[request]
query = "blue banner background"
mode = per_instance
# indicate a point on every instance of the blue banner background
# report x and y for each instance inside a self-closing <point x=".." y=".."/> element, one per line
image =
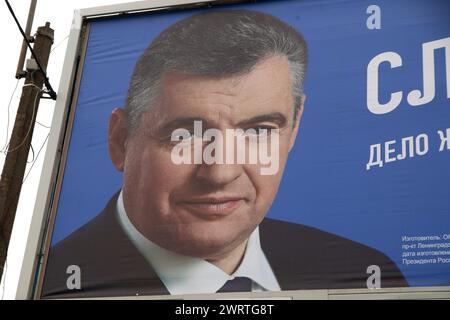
<point x="326" y="184"/>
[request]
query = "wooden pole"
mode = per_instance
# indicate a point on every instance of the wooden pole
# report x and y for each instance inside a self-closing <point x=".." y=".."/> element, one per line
<point x="19" y="144"/>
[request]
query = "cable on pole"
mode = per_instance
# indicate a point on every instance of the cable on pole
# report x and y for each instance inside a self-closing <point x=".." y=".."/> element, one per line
<point x="50" y="90"/>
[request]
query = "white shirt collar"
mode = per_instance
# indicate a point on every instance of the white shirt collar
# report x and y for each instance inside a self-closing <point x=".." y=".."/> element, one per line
<point x="184" y="275"/>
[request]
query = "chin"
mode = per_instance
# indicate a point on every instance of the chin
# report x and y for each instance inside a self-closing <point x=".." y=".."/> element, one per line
<point x="204" y="244"/>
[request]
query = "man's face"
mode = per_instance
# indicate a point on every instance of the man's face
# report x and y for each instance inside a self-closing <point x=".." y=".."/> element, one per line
<point x="203" y="210"/>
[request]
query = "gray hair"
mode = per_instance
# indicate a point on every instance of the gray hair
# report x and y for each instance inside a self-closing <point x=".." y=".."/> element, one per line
<point x="215" y="44"/>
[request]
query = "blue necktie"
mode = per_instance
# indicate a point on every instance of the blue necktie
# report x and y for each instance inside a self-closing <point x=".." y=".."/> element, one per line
<point x="238" y="284"/>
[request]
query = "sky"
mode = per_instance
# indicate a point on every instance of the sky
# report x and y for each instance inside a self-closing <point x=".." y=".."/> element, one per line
<point x="59" y="14"/>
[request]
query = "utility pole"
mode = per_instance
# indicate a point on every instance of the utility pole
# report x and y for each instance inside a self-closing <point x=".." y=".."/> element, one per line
<point x="20" y="142"/>
<point x="20" y="73"/>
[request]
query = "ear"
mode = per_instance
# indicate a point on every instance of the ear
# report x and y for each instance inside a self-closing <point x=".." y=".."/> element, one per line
<point x="117" y="137"/>
<point x="297" y="122"/>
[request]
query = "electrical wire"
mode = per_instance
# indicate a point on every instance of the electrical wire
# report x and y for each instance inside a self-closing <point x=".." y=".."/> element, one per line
<point x="7" y="123"/>
<point x="59" y="43"/>
<point x="31" y="123"/>
<point x="31" y="85"/>
<point x="37" y="156"/>
<point x="32" y="151"/>
<point x="50" y="90"/>
<point x="42" y="125"/>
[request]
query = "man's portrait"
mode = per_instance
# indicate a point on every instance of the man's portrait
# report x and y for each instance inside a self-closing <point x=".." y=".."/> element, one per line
<point x="213" y="110"/>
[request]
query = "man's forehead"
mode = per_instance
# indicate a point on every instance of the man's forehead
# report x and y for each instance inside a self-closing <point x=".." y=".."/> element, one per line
<point x="267" y="88"/>
<point x="273" y="71"/>
<point x="183" y="84"/>
<point x="264" y="90"/>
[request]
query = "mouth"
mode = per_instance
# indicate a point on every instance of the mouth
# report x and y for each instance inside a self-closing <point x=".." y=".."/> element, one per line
<point x="212" y="207"/>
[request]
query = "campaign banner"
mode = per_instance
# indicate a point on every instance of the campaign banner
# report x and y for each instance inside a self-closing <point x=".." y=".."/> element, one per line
<point x="257" y="146"/>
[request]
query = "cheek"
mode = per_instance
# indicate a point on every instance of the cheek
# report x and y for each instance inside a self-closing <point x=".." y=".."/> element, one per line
<point x="266" y="185"/>
<point x="150" y="177"/>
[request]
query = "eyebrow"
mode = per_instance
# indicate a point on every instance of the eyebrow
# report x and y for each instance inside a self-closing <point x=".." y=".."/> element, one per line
<point x="180" y="123"/>
<point x="275" y="117"/>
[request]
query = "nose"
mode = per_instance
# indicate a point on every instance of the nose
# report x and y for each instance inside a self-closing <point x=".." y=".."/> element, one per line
<point x="218" y="175"/>
<point x="217" y="169"/>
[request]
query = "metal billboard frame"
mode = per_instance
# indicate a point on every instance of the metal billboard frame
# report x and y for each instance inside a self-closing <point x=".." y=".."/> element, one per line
<point x="43" y="213"/>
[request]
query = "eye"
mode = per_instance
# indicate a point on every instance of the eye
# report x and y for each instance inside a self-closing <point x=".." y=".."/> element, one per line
<point x="185" y="135"/>
<point x="259" y="131"/>
<point x="181" y="134"/>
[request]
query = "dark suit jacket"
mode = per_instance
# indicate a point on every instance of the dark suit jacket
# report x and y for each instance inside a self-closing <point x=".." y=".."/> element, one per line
<point x="301" y="258"/>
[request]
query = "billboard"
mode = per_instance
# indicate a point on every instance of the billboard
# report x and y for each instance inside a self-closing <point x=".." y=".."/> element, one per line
<point x="256" y="146"/>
